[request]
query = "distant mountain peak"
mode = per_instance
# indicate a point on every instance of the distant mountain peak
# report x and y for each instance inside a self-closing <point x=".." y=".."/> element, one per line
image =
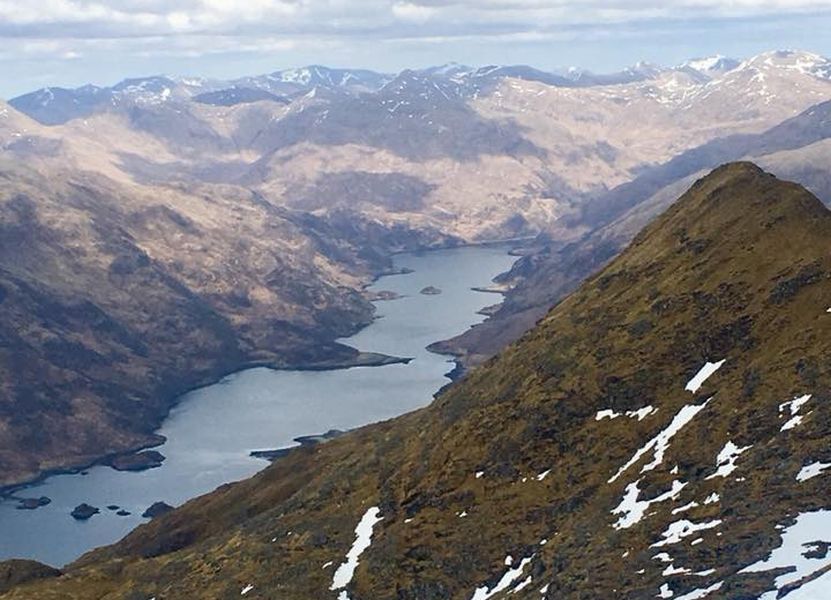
<point x="808" y="63"/>
<point x="714" y="65"/>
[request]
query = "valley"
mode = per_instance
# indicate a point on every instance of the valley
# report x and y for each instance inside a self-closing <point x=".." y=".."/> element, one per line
<point x="623" y="446"/>
<point x="179" y="252"/>
<point x="261" y="409"/>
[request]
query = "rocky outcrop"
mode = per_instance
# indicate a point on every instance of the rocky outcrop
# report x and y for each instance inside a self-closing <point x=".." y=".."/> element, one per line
<point x="84" y="512"/>
<point x="33" y="503"/>
<point x="430" y="291"/>
<point x="141" y="461"/>
<point x="157" y="509"/>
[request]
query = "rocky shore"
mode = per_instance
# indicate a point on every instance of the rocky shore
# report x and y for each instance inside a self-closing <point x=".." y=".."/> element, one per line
<point x="304" y="441"/>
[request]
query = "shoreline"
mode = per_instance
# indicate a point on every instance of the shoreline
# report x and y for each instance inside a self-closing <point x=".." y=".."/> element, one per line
<point x="176" y="393"/>
<point x="362" y="359"/>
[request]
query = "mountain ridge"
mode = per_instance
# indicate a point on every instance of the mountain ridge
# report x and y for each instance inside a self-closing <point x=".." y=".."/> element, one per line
<point x="530" y="476"/>
<point x="80" y="101"/>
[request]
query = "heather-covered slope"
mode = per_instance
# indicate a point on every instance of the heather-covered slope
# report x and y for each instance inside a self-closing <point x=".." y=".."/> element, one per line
<point x="799" y="149"/>
<point x="658" y="433"/>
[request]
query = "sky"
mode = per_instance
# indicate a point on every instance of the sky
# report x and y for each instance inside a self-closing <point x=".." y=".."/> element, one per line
<point x="74" y="42"/>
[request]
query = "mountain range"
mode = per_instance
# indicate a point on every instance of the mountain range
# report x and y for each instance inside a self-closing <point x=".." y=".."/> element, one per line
<point x="660" y="433"/>
<point x="162" y="232"/>
<point x="351" y="164"/>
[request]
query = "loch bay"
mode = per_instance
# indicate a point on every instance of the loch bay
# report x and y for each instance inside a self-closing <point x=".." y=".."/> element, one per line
<point x="212" y="431"/>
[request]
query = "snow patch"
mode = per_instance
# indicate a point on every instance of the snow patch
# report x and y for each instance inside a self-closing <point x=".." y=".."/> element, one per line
<point x="701" y="593"/>
<point x="673" y="570"/>
<point x="686" y="507"/>
<point x="797" y="420"/>
<point x="810" y="471"/>
<point x="508" y="579"/>
<point x="726" y="459"/>
<point x="797" y="540"/>
<point x="794" y="406"/>
<point x="703" y="375"/>
<point x="639" y="414"/>
<point x="659" y="444"/>
<point x="683" y="528"/>
<point x="246" y="589"/>
<point x="363" y="540"/>
<point x="633" y="510"/>
<point x="522" y="585"/>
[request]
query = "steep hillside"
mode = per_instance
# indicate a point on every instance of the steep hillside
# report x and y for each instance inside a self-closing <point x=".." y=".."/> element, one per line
<point x="116" y="299"/>
<point x="798" y="149"/>
<point x="662" y="432"/>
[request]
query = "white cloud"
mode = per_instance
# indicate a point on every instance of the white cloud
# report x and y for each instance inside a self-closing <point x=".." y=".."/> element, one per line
<point x="110" y="17"/>
<point x="63" y="29"/>
<point x="407" y="11"/>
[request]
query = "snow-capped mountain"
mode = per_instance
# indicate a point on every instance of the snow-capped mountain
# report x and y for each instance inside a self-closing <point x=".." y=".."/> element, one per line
<point x="55" y="105"/>
<point x="58" y="105"/>
<point x="711" y="66"/>
<point x="294" y="81"/>
<point x="805" y="63"/>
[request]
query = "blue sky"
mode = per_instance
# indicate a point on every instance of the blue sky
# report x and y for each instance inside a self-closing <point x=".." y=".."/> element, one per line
<point x="72" y="42"/>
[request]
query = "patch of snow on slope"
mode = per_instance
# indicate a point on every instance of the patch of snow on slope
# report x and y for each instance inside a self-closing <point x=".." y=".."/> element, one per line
<point x="810" y="471"/>
<point x="797" y="420"/>
<point x="665" y="591"/>
<point x="694" y="384"/>
<point x="363" y="540"/>
<point x="706" y="64"/>
<point x="659" y="444"/>
<point x="726" y="459"/>
<point x="673" y="570"/>
<point x="632" y="510"/>
<point x="701" y="593"/>
<point x="246" y="589"/>
<point x="639" y="414"/>
<point x="683" y="528"/>
<point x="797" y="540"/>
<point x="794" y="406"/>
<point x="642" y="413"/>
<point x="522" y="585"/>
<point x="686" y="507"/>
<point x="508" y="579"/>
<point x="606" y="414"/>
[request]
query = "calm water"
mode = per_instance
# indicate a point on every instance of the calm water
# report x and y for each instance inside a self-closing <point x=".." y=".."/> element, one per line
<point x="211" y="432"/>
